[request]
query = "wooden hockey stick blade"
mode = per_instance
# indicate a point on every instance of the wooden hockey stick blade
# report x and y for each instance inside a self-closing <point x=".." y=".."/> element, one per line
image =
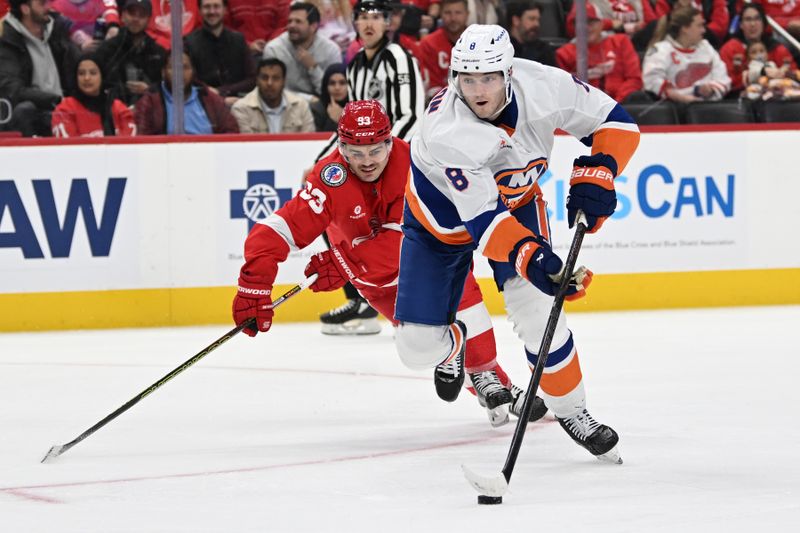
<point x="488" y="486"/>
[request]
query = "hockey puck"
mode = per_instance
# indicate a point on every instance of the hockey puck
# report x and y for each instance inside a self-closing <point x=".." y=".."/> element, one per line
<point x="489" y="500"/>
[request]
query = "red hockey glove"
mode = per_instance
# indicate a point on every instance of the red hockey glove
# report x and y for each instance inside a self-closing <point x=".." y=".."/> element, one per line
<point x="535" y="261"/>
<point x="591" y="190"/>
<point x="254" y="298"/>
<point x="334" y="267"/>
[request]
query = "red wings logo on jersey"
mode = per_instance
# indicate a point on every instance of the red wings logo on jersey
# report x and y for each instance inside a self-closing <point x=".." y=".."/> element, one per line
<point x="333" y="174"/>
<point x="693" y="73"/>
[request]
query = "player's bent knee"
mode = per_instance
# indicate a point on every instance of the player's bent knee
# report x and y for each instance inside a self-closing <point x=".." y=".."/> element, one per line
<point x="421" y="346"/>
<point x="528" y="309"/>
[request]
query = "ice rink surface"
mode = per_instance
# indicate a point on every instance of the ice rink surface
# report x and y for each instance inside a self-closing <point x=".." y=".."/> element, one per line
<point x="294" y="431"/>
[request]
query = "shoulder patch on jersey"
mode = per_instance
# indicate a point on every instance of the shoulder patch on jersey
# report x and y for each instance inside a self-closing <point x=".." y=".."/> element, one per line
<point x="333" y="174"/>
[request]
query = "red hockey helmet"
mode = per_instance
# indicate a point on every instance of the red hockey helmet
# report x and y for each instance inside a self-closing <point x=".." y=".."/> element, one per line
<point x="364" y="122"/>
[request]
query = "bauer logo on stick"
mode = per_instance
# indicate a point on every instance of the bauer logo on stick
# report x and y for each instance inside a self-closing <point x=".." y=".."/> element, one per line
<point x="333" y="174"/>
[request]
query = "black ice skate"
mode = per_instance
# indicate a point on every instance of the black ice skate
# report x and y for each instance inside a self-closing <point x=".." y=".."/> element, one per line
<point x="354" y="317"/>
<point x="492" y="395"/>
<point x="449" y="377"/>
<point x="599" y="439"/>
<point x="539" y="408"/>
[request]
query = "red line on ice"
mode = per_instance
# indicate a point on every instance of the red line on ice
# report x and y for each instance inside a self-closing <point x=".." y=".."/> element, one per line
<point x="17" y="490"/>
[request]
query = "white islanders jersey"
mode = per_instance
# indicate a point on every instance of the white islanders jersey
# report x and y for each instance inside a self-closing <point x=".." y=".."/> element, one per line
<point x="467" y="173"/>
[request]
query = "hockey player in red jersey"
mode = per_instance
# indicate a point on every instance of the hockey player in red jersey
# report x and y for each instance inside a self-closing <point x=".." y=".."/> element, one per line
<point x="356" y="195"/>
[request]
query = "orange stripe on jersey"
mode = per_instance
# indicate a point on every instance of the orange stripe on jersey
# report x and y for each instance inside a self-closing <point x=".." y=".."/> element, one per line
<point x="563" y="381"/>
<point x="460" y="237"/>
<point x="619" y="144"/>
<point x="507" y="129"/>
<point x="541" y="212"/>
<point x="503" y="239"/>
<point x="458" y="340"/>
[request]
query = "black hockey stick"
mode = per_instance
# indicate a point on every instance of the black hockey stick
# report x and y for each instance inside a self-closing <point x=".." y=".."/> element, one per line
<point x="59" y="449"/>
<point x="495" y="487"/>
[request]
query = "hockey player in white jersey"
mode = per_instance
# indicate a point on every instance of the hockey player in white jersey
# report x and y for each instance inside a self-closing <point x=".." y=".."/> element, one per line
<point x="483" y="143"/>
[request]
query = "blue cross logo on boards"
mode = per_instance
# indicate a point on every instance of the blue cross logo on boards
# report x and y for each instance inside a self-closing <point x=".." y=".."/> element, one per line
<point x="260" y="199"/>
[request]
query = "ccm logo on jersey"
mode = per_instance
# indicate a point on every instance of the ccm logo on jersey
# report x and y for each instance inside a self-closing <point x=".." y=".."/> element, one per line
<point x="333" y="174"/>
<point x="593" y="172"/>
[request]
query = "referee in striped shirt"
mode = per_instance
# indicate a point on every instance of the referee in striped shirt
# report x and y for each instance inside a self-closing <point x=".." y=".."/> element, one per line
<point x="385" y="71"/>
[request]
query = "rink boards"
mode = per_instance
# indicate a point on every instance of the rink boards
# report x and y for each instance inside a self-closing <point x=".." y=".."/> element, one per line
<point x="150" y="233"/>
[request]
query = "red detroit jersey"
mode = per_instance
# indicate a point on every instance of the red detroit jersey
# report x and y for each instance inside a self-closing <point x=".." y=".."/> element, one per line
<point x="362" y="218"/>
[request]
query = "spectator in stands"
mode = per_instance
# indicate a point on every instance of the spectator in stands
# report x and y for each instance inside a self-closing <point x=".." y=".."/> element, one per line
<point x="36" y="64"/>
<point x="336" y="21"/>
<point x="715" y="13"/>
<point x="684" y="67"/>
<point x="405" y="26"/>
<point x="220" y="56"/>
<point x="430" y="10"/>
<point x="303" y="50"/>
<point x="92" y="20"/>
<point x="132" y="60"/>
<point x="203" y="113"/>
<point x="613" y="65"/>
<point x="484" y="12"/>
<point x="259" y="20"/>
<point x="751" y="28"/>
<point x="434" y="50"/>
<point x="764" y="80"/>
<point x="785" y="12"/>
<point x="160" y="26"/>
<point x="523" y="19"/>
<point x="330" y="105"/>
<point x="91" y="112"/>
<point x="270" y="107"/>
<point x="619" y="16"/>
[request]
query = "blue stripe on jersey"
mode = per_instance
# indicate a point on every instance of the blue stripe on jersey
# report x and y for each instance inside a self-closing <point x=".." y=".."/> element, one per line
<point x="617" y="114"/>
<point x="508" y="117"/>
<point x="477" y="226"/>
<point x="442" y="209"/>
<point x="554" y="357"/>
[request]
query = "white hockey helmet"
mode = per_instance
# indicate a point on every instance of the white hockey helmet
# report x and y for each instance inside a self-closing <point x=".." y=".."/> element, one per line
<point x="483" y="48"/>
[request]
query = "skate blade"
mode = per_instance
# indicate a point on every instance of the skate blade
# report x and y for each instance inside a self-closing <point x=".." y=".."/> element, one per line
<point x="488" y="486"/>
<point x="353" y="327"/>
<point x="498" y="416"/>
<point x="611" y="456"/>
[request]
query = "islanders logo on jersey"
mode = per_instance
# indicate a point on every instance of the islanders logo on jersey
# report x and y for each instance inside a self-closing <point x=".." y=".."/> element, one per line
<point x="333" y="174"/>
<point x="513" y="184"/>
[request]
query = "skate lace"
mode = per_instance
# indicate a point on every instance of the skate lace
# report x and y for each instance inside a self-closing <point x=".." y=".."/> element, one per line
<point x="450" y="368"/>
<point x="486" y="383"/>
<point x="519" y="398"/>
<point x="344" y="308"/>
<point x="582" y="425"/>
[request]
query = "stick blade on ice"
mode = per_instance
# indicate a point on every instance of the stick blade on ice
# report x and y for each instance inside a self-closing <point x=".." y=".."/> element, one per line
<point x="488" y="486"/>
<point x="54" y="452"/>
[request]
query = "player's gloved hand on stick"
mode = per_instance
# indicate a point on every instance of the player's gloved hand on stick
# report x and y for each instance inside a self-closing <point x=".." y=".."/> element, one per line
<point x="334" y="267"/>
<point x="591" y="190"/>
<point x="535" y="261"/>
<point x="254" y="298"/>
